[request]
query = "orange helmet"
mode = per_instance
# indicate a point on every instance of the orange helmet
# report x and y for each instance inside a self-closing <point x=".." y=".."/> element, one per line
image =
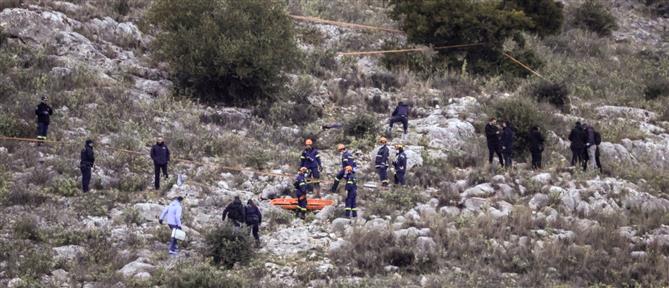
<point x="383" y="140"/>
<point x="308" y="142"/>
<point x="341" y="147"/>
<point x="348" y="169"/>
<point x="303" y="169"/>
<point x="399" y="146"/>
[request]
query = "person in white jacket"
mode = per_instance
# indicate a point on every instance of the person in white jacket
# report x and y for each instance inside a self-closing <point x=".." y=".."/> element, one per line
<point x="172" y="214"/>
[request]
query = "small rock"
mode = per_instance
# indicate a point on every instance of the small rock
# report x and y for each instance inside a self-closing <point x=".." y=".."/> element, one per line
<point x="542" y="178"/>
<point x="391" y="268"/>
<point x="326" y="213"/>
<point x="339" y="225"/>
<point x="482" y="190"/>
<point x="449" y="211"/>
<point x="133" y="268"/>
<point x="68" y="253"/>
<point x="538" y="201"/>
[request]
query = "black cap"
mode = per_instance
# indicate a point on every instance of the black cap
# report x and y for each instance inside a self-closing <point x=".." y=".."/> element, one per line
<point x="89" y="142"/>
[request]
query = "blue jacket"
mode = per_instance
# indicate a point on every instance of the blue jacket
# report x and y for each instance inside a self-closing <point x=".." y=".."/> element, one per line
<point x="507" y="138"/>
<point x="347" y="159"/>
<point x="401" y="162"/>
<point x="300" y="186"/>
<point x="160" y="154"/>
<point x="172" y="213"/>
<point x="382" y="157"/>
<point x="401" y="110"/>
<point x="310" y="159"/>
<point x="350" y="181"/>
<point x="253" y="215"/>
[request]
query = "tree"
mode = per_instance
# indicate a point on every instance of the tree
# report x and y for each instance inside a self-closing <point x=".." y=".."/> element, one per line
<point x="230" y="51"/>
<point x="445" y="22"/>
<point x="546" y="15"/>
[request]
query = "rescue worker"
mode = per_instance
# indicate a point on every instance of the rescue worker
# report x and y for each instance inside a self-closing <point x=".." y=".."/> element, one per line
<point x="235" y="212"/>
<point x="173" y="215"/>
<point x="161" y="156"/>
<point x="591" y="147"/>
<point x="507" y="144"/>
<point x="351" y="209"/>
<point x="301" y="192"/>
<point x="577" y="146"/>
<point x="346" y="160"/>
<point x="536" y="140"/>
<point x="381" y="161"/>
<point x="400" y="165"/>
<point x="253" y="219"/>
<point x="400" y="114"/>
<point x="86" y="164"/>
<point x="492" y="135"/>
<point x="43" y="113"/>
<point x="312" y="161"/>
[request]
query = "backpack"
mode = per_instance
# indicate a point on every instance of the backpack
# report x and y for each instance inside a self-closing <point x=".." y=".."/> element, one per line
<point x="235" y="213"/>
<point x="598" y="138"/>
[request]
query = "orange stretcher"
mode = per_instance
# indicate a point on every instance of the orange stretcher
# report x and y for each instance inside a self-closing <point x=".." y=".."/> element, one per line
<point x="291" y="203"/>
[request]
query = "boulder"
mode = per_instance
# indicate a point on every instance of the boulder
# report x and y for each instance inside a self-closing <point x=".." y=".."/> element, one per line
<point x="482" y="190"/>
<point x="475" y="203"/>
<point x="425" y="246"/>
<point x="377" y="224"/>
<point x="339" y="246"/>
<point x="614" y="112"/>
<point x="538" y="201"/>
<point x="339" y="225"/>
<point x="149" y="211"/>
<point x="449" y="211"/>
<point x="68" y="253"/>
<point x="444" y="133"/>
<point x="136" y="267"/>
<point x="542" y="178"/>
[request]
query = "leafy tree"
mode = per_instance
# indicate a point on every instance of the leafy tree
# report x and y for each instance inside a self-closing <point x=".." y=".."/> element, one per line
<point x="523" y="115"/>
<point x="593" y="16"/>
<point x="444" y="22"/>
<point x="546" y="15"/>
<point x="230" y="51"/>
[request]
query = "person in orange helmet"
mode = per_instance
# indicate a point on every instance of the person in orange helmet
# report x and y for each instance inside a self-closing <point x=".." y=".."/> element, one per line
<point x="381" y="161"/>
<point x="301" y="192"/>
<point x="312" y="161"/>
<point x="351" y="209"/>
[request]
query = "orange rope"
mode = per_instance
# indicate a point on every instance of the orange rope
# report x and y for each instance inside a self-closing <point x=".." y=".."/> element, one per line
<point x="344" y="24"/>
<point x="523" y="65"/>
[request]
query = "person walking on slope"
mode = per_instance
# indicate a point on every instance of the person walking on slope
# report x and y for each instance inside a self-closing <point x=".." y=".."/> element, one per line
<point x="172" y="214"/>
<point x="346" y="160"/>
<point x="591" y="147"/>
<point x="301" y="192"/>
<point x="43" y="113"/>
<point x="400" y="165"/>
<point x="578" y="139"/>
<point x="598" y="141"/>
<point x="381" y="161"/>
<point x="536" y="140"/>
<point x="312" y="161"/>
<point x="400" y="114"/>
<point x="253" y="219"/>
<point x="86" y="164"/>
<point x="351" y="209"/>
<point x="507" y="144"/>
<point x="492" y="135"/>
<point x="235" y="212"/>
<point x="161" y="157"/>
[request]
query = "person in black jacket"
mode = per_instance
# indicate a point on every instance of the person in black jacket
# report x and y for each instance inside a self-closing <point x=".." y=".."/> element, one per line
<point x="381" y="161"/>
<point x="577" y="138"/>
<point x="536" y="140"/>
<point x="598" y="141"/>
<point x="86" y="165"/>
<point x="492" y="135"/>
<point x="161" y="156"/>
<point x="400" y="114"/>
<point x="253" y="219"/>
<point x="43" y="113"/>
<point x="507" y="143"/>
<point x="235" y="212"/>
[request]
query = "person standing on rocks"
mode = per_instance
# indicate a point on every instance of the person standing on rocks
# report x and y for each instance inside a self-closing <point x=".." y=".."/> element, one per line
<point x="400" y="114"/>
<point x="536" y="146"/>
<point x="591" y="147"/>
<point x="346" y="160"/>
<point x="172" y="214"/>
<point x="492" y="135"/>
<point x="577" y="138"/>
<point x="312" y="161"/>
<point x="43" y="113"/>
<point x="301" y="192"/>
<point x="161" y="157"/>
<point x="381" y="161"/>
<point x="86" y="164"/>
<point x="507" y="144"/>
<point x="253" y="219"/>
<point x="235" y="212"/>
<point x="400" y="165"/>
<point x="598" y="141"/>
<point x="351" y="209"/>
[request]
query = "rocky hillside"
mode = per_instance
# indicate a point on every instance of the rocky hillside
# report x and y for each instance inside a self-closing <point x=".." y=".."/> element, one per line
<point x="458" y="223"/>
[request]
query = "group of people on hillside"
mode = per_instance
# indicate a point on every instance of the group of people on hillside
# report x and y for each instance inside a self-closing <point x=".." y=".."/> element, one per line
<point x="585" y="141"/>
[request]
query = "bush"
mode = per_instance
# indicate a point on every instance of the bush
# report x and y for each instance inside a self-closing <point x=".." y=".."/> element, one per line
<point x="361" y="125"/>
<point x="376" y="104"/>
<point x="658" y="7"/>
<point x="64" y="186"/>
<point x="546" y="15"/>
<point x="523" y="115"/>
<point x="294" y="107"/>
<point x="228" y="245"/>
<point x="8" y="4"/>
<point x="556" y="94"/>
<point x="234" y="51"/>
<point x="122" y="7"/>
<point x="656" y="89"/>
<point x="200" y="276"/>
<point x="593" y="16"/>
<point x="27" y="228"/>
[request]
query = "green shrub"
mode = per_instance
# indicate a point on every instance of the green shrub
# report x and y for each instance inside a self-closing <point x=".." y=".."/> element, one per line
<point x="294" y="107"/>
<point x="556" y="94"/>
<point x="64" y="186"/>
<point x="200" y="276"/>
<point x="228" y="245"/>
<point x="523" y="115"/>
<point x="390" y="201"/>
<point x="22" y="194"/>
<point x="122" y="7"/>
<point x="132" y="183"/>
<point x="361" y="126"/>
<point x="468" y="22"/>
<point x="376" y="104"/>
<point x="27" y="228"/>
<point x="132" y="216"/>
<point x="234" y="51"/>
<point x="8" y="4"/>
<point x="656" y="89"/>
<point x="658" y="7"/>
<point x="546" y="15"/>
<point x="593" y="16"/>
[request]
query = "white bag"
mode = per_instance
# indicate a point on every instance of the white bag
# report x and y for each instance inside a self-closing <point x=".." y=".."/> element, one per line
<point x="178" y="234"/>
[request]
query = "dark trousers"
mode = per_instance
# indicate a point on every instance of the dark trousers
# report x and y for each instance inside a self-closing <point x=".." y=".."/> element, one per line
<point x="301" y="207"/>
<point x="508" y="158"/>
<point x="351" y="208"/>
<point x="493" y="148"/>
<point x="42" y="129"/>
<point x="399" y="177"/>
<point x="173" y="241"/>
<point x="314" y="175"/>
<point x="536" y="159"/>
<point x="599" y="164"/>
<point x="85" y="177"/>
<point x="254" y="230"/>
<point x="403" y="119"/>
<point x="156" y="172"/>
<point x="383" y="174"/>
<point x="578" y="156"/>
